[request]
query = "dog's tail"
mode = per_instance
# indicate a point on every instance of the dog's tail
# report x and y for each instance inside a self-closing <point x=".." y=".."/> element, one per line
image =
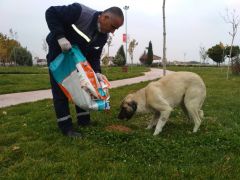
<point x="201" y="114"/>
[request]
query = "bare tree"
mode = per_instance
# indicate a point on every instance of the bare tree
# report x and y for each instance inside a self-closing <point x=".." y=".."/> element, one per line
<point x="131" y="48"/>
<point x="109" y="43"/>
<point x="164" y="61"/>
<point x="233" y="19"/>
<point x="44" y="46"/>
<point x="13" y="34"/>
<point x="203" y="54"/>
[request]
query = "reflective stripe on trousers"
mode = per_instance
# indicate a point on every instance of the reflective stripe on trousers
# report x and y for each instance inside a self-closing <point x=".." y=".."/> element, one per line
<point x="63" y="118"/>
<point x="82" y="114"/>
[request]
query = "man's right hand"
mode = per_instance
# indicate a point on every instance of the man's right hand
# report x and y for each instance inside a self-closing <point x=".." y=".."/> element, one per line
<point x="64" y="44"/>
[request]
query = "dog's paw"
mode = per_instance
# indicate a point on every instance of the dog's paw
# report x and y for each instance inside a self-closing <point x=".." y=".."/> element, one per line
<point x="155" y="133"/>
<point x="149" y="127"/>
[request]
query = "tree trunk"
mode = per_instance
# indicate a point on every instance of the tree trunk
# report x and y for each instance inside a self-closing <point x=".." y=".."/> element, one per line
<point x="230" y="57"/>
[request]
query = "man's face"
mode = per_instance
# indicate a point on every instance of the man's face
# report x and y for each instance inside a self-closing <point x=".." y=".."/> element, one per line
<point x="109" y="22"/>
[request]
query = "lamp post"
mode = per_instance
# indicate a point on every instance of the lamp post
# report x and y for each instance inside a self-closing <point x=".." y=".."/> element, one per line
<point x="126" y="8"/>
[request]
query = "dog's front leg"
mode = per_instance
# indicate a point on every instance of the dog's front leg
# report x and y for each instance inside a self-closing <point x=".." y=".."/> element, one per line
<point x="154" y="120"/>
<point x="162" y="121"/>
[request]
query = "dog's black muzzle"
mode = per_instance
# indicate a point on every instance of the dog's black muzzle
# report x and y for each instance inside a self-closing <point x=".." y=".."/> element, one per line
<point x="127" y="113"/>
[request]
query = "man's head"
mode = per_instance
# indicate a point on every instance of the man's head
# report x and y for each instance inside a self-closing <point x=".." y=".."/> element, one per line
<point x="110" y="20"/>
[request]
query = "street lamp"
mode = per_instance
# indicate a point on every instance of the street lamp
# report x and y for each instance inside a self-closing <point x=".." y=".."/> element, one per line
<point x="126" y="8"/>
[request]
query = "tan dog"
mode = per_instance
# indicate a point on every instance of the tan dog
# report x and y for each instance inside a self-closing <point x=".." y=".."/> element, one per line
<point x="180" y="88"/>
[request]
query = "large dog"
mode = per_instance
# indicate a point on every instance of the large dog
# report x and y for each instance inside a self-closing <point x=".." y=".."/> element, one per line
<point x="179" y="88"/>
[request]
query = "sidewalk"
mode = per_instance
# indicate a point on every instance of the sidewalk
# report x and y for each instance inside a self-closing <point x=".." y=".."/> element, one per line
<point x="18" y="98"/>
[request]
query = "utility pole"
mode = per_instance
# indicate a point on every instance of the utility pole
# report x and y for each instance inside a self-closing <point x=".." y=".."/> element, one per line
<point x="164" y="40"/>
<point x="126" y="8"/>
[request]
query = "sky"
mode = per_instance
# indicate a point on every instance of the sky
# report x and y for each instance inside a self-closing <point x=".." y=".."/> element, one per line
<point x="189" y="24"/>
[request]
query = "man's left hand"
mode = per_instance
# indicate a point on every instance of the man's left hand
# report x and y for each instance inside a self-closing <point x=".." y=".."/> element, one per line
<point x="100" y="77"/>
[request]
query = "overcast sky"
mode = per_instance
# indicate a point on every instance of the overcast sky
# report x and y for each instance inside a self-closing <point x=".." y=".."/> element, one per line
<point x="189" y="23"/>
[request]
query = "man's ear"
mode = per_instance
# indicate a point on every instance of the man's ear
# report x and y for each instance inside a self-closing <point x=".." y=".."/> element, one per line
<point x="106" y="16"/>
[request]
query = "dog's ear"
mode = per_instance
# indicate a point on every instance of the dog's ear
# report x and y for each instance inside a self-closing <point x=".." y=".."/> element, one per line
<point x="133" y="104"/>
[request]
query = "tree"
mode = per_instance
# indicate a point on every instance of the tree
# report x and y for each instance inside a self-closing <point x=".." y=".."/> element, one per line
<point x="105" y="60"/>
<point x="109" y="43"/>
<point x="203" y="54"/>
<point x="21" y="56"/>
<point x="236" y="65"/>
<point x="6" y="46"/>
<point x="3" y="48"/>
<point x="164" y="61"/>
<point x="131" y="48"/>
<point x="120" y="58"/>
<point x="235" y="51"/>
<point x="12" y="44"/>
<point x="143" y="58"/>
<point x="13" y="34"/>
<point x="44" y="46"/>
<point x="234" y="22"/>
<point x="216" y="53"/>
<point x="149" y="54"/>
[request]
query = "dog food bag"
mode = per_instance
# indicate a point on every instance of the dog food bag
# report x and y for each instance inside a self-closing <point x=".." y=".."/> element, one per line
<point x="79" y="82"/>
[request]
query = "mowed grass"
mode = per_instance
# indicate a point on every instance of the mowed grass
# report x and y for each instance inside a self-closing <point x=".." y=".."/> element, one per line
<point x="21" y="79"/>
<point x="31" y="147"/>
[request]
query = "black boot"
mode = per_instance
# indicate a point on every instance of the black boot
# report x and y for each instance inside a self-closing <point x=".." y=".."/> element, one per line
<point x="73" y="134"/>
<point x="66" y="127"/>
<point x="84" y="122"/>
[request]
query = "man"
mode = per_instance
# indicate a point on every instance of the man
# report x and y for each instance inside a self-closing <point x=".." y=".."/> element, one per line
<point x="88" y="29"/>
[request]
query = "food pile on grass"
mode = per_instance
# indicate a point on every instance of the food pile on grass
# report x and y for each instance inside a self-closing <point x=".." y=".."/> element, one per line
<point x="118" y="128"/>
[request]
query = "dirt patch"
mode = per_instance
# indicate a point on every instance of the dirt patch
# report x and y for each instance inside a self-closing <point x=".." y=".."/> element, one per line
<point x="118" y="128"/>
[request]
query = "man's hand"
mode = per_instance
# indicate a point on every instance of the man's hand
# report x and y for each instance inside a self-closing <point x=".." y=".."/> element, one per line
<point x="64" y="44"/>
<point x="100" y="77"/>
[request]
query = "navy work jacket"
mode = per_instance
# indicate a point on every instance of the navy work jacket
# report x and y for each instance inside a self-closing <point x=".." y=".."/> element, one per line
<point x="79" y="25"/>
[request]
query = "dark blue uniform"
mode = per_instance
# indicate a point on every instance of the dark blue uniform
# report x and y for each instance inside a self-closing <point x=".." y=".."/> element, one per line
<point x="67" y="21"/>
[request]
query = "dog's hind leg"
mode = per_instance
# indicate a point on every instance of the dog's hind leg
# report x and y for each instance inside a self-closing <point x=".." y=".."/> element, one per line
<point x="185" y="111"/>
<point x="193" y="100"/>
<point x="201" y="114"/>
<point x="154" y="120"/>
<point x="194" y="114"/>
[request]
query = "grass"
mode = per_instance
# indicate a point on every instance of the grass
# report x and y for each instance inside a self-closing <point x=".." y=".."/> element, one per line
<point x="23" y="70"/>
<point x="115" y="73"/>
<point x="31" y="146"/>
<point x="12" y="83"/>
<point x="20" y="79"/>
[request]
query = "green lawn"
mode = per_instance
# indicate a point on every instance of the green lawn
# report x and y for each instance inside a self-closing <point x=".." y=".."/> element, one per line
<point x="23" y="70"/>
<point x="31" y="147"/>
<point x="20" y="79"/>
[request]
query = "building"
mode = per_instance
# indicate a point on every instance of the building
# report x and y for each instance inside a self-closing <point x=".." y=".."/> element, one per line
<point x="156" y="59"/>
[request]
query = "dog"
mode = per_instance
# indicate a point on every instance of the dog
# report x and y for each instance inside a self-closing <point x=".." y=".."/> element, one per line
<point x="185" y="89"/>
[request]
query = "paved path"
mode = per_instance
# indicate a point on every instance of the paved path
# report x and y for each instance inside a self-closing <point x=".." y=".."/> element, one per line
<point x="18" y="98"/>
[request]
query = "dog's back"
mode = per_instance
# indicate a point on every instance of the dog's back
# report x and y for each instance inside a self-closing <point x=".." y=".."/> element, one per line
<point x="174" y="86"/>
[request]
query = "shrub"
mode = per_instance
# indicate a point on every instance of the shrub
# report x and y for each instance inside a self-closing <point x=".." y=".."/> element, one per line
<point x="120" y="58"/>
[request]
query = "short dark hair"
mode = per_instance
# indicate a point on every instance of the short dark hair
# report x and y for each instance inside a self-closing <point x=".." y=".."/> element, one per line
<point x="115" y="10"/>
